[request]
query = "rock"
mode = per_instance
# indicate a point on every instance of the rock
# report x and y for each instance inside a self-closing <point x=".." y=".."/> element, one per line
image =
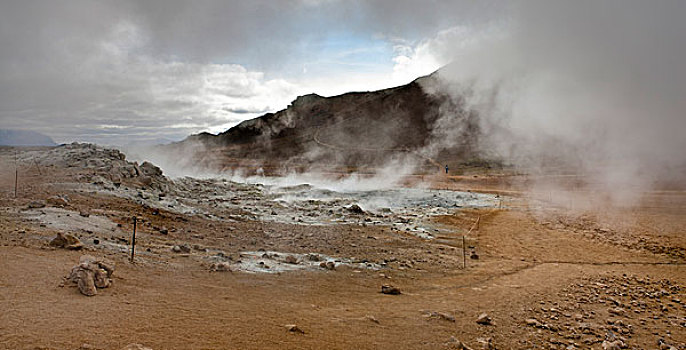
<point x="66" y="241"/>
<point x="36" y="204"/>
<point x="390" y="290"/>
<point x="329" y="265"/>
<point x="85" y="279"/>
<point x="372" y="318"/>
<point x="181" y="249"/>
<point x="220" y="267"/>
<point x="294" y="329"/>
<point x="313" y="257"/>
<point x="150" y="169"/>
<point x="533" y="322"/>
<point x="456" y="344"/>
<point x="355" y="209"/>
<point x="57" y="201"/>
<point x="136" y="346"/>
<point x="290" y="259"/>
<point x="101" y="278"/>
<point x="441" y="316"/>
<point x="616" y="311"/>
<point x="484" y="319"/>
<point x="84" y="213"/>
<point x="473" y="255"/>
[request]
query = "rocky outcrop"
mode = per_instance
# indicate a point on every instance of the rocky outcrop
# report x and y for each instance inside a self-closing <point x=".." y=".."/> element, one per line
<point x="108" y="167"/>
<point x="67" y="241"/>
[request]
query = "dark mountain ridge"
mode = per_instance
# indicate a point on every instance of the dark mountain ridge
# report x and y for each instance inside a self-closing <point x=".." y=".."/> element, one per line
<point x="353" y="130"/>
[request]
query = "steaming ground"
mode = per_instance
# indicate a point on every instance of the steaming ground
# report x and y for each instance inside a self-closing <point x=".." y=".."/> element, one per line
<point x="222" y="263"/>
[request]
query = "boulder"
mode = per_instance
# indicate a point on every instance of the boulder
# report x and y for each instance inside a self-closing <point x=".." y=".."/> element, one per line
<point x="57" y="201"/>
<point x="101" y="279"/>
<point x="533" y="322"/>
<point x="150" y="169"/>
<point x="329" y="265"/>
<point x="294" y="329"/>
<point x="84" y="278"/>
<point x="356" y="209"/>
<point x="181" y="249"/>
<point x="65" y="240"/>
<point x="484" y="319"/>
<point x="390" y="290"/>
<point x="291" y="259"/>
<point x="220" y="267"/>
<point x="473" y="255"/>
<point x="36" y="204"/>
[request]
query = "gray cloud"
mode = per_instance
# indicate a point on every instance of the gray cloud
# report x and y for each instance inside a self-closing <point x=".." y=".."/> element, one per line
<point x="73" y="68"/>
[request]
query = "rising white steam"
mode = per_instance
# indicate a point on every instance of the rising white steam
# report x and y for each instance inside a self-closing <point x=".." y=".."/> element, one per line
<point x="596" y="86"/>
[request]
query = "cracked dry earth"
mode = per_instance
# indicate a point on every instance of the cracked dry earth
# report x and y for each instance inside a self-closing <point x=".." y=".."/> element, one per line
<point x="546" y="278"/>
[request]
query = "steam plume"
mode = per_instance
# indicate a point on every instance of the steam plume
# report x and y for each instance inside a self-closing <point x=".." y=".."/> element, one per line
<point x="598" y="86"/>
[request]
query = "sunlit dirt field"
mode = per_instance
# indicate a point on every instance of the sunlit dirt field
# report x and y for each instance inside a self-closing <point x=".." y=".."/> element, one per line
<point x="556" y="269"/>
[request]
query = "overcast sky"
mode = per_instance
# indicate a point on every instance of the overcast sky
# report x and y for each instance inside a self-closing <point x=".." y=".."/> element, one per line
<point x="123" y="71"/>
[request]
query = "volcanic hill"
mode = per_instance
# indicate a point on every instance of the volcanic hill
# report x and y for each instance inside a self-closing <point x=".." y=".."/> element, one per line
<point x="356" y="131"/>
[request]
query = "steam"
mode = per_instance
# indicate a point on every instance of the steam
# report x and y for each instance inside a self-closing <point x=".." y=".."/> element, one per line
<point x="581" y="88"/>
<point x="594" y="86"/>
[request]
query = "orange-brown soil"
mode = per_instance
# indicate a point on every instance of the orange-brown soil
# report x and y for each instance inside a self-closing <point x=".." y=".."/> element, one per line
<point x="583" y="276"/>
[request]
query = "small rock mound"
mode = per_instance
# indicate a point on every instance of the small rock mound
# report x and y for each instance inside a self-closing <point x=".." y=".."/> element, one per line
<point x="67" y="241"/>
<point x="90" y="274"/>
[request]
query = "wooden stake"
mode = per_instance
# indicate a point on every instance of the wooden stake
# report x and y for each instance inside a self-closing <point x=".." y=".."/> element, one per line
<point x="133" y="239"/>
<point x="464" y="254"/>
<point x="16" y="173"/>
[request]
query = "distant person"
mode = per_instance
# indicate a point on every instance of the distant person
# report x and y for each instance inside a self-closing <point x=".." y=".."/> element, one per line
<point x="446" y="168"/>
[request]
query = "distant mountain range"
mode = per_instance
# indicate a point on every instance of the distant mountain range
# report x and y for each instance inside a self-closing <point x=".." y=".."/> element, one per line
<point x="24" y="138"/>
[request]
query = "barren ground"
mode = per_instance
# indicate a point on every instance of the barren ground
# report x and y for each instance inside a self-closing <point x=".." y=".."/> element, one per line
<point x="584" y="276"/>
